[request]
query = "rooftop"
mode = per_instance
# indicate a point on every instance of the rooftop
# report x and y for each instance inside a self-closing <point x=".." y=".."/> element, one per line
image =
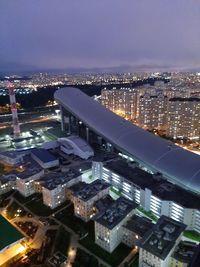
<point x="185" y="251"/>
<point x="81" y="143"/>
<point x="31" y="167"/>
<point x="8" y="233"/>
<point x="43" y="155"/>
<point x="160" y="187"/>
<point x="90" y="190"/>
<point x="11" y="154"/>
<point x="138" y="225"/>
<point x="53" y="180"/>
<point x="160" y="240"/>
<point x="115" y="212"/>
<point x="103" y="203"/>
<point x="150" y="150"/>
<point x="83" y="166"/>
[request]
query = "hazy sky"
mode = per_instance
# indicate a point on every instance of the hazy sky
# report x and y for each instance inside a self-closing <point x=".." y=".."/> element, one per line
<point x="56" y="34"/>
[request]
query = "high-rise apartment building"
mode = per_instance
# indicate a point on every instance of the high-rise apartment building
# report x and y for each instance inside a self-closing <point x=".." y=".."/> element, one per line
<point x="184" y="118"/>
<point x="152" y="111"/>
<point x="123" y="101"/>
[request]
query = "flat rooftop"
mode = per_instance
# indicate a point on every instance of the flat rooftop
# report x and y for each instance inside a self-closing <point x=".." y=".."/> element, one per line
<point x="8" y="178"/>
<point x="8" y="233"/>
<point x="31" y="168"/>
<point x="138" y="225"/>
<point x="103" y="203"/>
<point x="185" y="251"/>
<point x="52" y="180"/>
<point x="43" y="155"/>
<point x="90" y="190"/>
<point x="115" y="212"/>
<point x="162" y="237"/>
<point x="83" y="166"/>
<point x="11" y="154"/>
<point x="160" y="187"/>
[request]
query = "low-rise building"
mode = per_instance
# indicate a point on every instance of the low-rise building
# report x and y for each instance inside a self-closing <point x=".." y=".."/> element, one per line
<point x="158" y="244"/>
<point x="25" y="179"/>
<point x="183" y="254"/>
<point x="85" y="195"/>
<point x="54" y="186"/>
<point x="152" y="191"/>
<point x="11" y="157"/>
<point x="134" y="229"/>
<point x="44" y="158"/>
<point x="7" y="183"/>
<point x="108" y="223"/>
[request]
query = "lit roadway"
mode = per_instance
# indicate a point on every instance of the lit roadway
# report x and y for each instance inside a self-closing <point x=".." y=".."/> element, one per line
<point x="5" y="125"/>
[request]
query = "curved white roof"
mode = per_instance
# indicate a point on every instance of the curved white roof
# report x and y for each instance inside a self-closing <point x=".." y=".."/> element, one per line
<point x="173" y="161"/>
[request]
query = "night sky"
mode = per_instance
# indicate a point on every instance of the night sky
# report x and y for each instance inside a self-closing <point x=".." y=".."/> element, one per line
<point x="59" y="34"/>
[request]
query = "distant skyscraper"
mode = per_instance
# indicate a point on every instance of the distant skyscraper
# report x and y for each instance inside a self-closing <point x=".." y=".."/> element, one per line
<point x="16" y="128"/>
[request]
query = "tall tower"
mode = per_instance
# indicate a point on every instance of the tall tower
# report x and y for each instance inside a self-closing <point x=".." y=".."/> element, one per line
<point x="16" y="128"/>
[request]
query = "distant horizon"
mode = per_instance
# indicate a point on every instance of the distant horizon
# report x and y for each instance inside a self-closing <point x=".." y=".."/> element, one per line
<point x="96" y="70"/>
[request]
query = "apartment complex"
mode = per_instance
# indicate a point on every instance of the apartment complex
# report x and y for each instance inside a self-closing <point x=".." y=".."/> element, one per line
<point x="175" y="112"/>
<point x="152" y="112"/>
<point x="151" y="191"/>
<point x="184" y="118"/>
<point x="123" y="102"/>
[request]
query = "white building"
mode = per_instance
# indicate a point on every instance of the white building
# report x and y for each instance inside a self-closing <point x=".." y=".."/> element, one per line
<point x="25" y="179"/>
<point x="54" y="187"/>
<point x="158" y="244"/>
<point x="85" y="195"/>
<point x="7" y="183"/>
<point x="108" y="224"/>
<point x="77" y="146"/>
<point x="152" y="192"/>
<point x="134" y="229"/>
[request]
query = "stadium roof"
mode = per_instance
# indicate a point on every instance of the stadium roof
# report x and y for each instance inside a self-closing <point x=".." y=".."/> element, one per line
<point x="8" y="233"/>
<point x="176" y="163"/>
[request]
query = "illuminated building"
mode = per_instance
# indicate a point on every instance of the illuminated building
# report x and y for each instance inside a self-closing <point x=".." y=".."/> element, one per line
<point x="152" y="111"/>
<point x="157" y="245"/>
<point x="53" y="186"/>
<point x="184" y="118"/>
<point x="108" y="223"/>
<point x="123" y="101"/>
<point x="85" y="195"/>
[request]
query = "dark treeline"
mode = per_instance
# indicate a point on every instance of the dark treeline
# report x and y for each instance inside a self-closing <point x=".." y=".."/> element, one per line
<point x="43" y="95"/>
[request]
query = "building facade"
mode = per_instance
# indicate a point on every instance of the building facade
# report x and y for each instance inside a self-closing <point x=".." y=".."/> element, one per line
<point x="184" y="118"/>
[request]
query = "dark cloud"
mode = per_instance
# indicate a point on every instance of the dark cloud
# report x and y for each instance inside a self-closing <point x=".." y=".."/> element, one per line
<point x="91" y="33"/>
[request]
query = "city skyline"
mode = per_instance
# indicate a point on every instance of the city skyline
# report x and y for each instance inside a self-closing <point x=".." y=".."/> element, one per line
<point x="136" y="35"/>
